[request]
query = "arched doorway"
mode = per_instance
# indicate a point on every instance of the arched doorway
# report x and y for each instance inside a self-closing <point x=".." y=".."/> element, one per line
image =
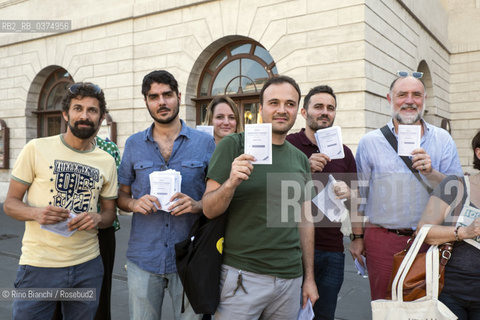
<point x="433" y="114"/>
<point x="238" y="69"/>
<point x="49" y="107"/>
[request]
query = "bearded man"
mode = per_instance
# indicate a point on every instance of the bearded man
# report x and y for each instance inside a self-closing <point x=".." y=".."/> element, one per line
<point x="66" y="176"/>
<point x="167" y="144"/>
<point x="319" y="111"/>
<point x="392" y="197"/>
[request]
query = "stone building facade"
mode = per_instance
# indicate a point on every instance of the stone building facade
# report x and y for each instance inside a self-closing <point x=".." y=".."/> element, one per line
<point x="355" y="46"/>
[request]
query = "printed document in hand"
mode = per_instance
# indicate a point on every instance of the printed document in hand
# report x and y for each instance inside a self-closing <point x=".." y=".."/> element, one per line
<point x="307" y="313"/>
<point x="206" y="129"/>
<point x="334" y="209"/>
<point x="408" y="139"/>
<point x="466" y="218"/>
<point x="61" y="228"/>
<point x="329" y="142"/>
<point x="258" y="142"/>
<point x="163" y="185"/>
<point x="360" y="269"/>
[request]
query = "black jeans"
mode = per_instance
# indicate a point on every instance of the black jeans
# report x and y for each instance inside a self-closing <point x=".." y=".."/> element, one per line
<point x="463" y="309"/>
<point x="329" y="268"/>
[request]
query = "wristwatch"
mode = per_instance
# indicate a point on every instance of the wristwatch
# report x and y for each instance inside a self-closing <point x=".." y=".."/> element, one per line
<point x="354" y="236"/>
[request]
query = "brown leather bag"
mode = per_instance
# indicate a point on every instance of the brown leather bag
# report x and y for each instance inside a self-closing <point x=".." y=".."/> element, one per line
<point x="414" y="284"/>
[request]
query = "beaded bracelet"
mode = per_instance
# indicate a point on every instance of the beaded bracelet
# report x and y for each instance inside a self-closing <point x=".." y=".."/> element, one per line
<point x="456" y="233"/>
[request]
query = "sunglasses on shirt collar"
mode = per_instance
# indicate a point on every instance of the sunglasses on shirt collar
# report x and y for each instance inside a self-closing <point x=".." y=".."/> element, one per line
<point x="76" y="87"/>
<point x="415" y="74"/>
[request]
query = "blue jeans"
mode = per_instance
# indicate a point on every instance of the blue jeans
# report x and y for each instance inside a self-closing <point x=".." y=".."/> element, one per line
<point x="85" y="275"/>
<point x="329" y="278"/>
<point x="146" y="291"/>
<point x="464" y="310"/>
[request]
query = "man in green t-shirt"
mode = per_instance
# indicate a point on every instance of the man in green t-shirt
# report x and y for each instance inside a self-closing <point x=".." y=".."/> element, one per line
<point x="262" y="272"/>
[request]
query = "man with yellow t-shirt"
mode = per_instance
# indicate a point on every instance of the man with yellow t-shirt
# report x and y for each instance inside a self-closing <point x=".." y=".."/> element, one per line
<point x="65" y="176"/>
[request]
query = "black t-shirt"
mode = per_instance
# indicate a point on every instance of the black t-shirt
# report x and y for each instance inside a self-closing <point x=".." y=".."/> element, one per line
<point x="462" y="273"/>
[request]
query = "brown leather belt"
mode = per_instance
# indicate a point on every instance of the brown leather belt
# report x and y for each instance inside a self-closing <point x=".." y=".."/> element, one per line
<point x="402" y="232"/>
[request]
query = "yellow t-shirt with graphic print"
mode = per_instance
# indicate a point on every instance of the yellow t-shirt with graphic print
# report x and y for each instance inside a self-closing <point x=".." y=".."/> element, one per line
<point x="61" y="176"/>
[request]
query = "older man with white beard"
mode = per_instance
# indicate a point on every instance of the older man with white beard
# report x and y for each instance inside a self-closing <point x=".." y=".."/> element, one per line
<point x="392" y="197"/>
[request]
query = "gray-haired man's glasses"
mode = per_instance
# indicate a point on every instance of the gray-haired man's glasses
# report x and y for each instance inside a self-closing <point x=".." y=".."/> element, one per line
<point x="415" y="74"/>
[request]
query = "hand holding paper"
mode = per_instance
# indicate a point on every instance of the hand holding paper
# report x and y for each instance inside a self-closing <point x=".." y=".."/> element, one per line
<point x="51" y="214"/>
<point x="421" y="161"/>
<point x="307" y="312"/>
<point x="328" y="203"/>
<point x="329" y="142"/>
<point x="145" y="205"/>
<point x="470" y="219"/>
<point x="472" y="225"/>
<point x="408" y="139"/>
<point x="342" y="191"/>
<point x="241" y="169"/>
<point x="60" y="228"/>
<point x="361" y="268"/>
<point x="318" y="161"/>
<point x="84" y="221"/>
<point x="258" y="142"/>
<point x="163" y="185"/>
<point x="181" y="203"/>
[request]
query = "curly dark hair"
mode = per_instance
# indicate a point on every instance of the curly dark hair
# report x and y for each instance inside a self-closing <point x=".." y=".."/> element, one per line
<point x="84" y="89"/>
<point x="476" y="144"/>
<point x="159" y="76"/>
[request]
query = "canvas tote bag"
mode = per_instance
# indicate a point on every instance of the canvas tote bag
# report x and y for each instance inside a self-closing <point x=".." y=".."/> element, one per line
<point x="428" y="307"/>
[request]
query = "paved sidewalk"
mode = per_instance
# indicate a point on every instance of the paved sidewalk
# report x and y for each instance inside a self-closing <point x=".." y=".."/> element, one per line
<point x="353" y="302"/>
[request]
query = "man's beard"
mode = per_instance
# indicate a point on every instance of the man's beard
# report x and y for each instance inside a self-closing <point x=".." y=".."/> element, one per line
<point x="167" y="120"/>
<point x="280" y="131"/>
<point x="314" y="126"/>
<point x="409" y="119"/>
<point x="83" y="133"/>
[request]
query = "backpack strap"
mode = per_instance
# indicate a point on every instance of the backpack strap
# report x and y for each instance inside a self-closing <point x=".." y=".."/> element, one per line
<point x="183" y="301"/>
<point x="387" y="133"/>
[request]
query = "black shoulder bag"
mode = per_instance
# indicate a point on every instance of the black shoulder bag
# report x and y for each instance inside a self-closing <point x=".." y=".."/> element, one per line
<point x="199" y="259"/>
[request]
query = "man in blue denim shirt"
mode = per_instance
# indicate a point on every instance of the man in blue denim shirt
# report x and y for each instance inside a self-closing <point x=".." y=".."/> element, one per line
<point x="167" y="144"/>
